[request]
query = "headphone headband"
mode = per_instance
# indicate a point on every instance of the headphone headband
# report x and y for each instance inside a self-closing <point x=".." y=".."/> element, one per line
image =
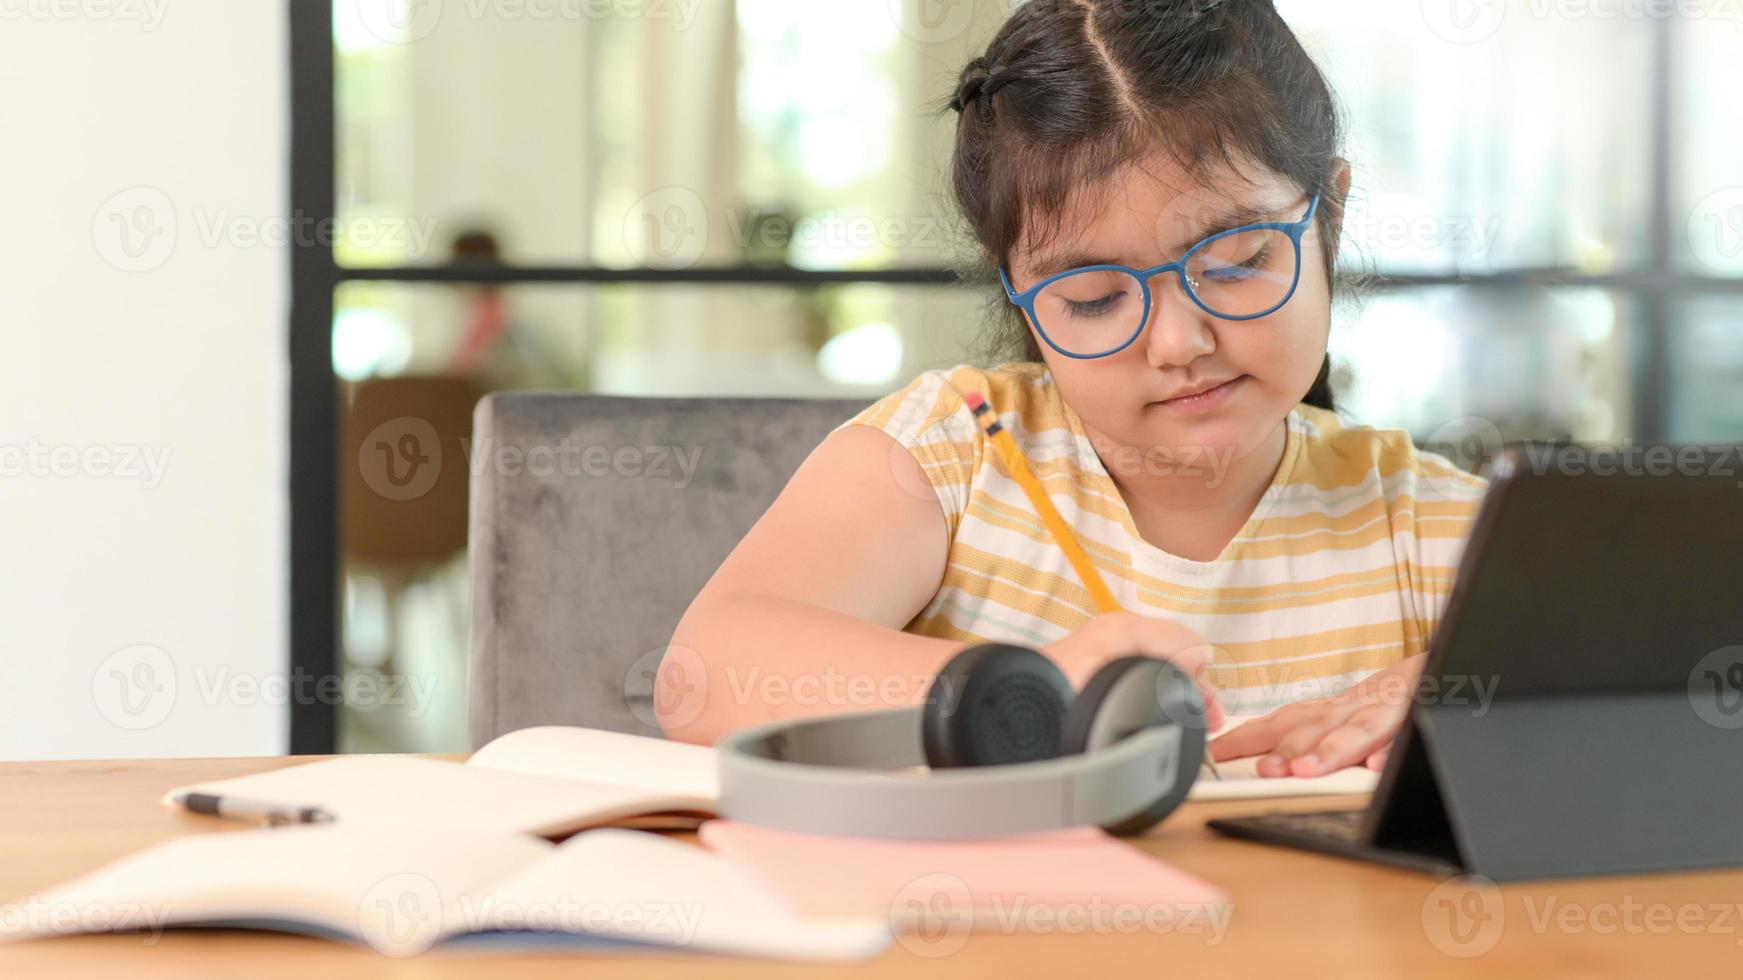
<point x="841" y="775"/>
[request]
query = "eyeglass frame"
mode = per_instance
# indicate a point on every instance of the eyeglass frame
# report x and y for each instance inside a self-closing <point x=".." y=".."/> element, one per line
<point x="1025" y="300"/>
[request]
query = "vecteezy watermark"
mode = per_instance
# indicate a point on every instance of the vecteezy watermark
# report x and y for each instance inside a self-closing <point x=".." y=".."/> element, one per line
<point x="1470" y="442"/>
<point x="833" y="230"/>
<point x="134" y="688"/>
<point x="670" y="686"/>
<point x="831" y="687"/>
<point x="223" y="227"/>
<point x="1210" y="463"/>
<point x="677" y="464"/>
<point x="401" y="459"/>
<point x="1464" y="916"/>
<point x="1468" y="916"/>
<point x="148" y="14"/>
<point x="36" y="916"/>
<point x="1464" y="21"/>
<point x="138" y="229"/>
<point x="406" y="913"/>
<point x="670" y="228"/>
<point x="1716" y="688"/>
<point x="1467" y="444"/>
<point x="1476" y="692"/>
<point x="1474" y="21"/>
<point x="667" y="229"/>
<point x="1716" y="229"/>
<point x="364" y="690"/>
<point x="935" y="915"/>
<point x="401" y="915"/>
<point x="134" y="230"/>
<point x="667" y="687"/>
<point x="1635" y="460"/>
<point x="1468" y="237"/>
<point x="138" y="686"/>
<point x="932" y="21"/>
<point x="35" y="459"/>
<point x="407" y="21"/>
<point x="1630" y="916"/>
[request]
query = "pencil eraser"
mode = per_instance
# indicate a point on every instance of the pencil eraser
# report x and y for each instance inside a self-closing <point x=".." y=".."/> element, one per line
<point x="974" y="400"/>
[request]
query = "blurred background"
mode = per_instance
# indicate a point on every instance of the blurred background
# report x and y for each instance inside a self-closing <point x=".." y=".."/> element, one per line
<point x="703" y="197"/>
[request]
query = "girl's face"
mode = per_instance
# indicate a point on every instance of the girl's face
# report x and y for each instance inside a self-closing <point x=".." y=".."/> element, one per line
<point x="1191" y="383"/>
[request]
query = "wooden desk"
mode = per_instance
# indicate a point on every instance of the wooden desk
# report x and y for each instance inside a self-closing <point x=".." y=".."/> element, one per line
<point x="1293" y="913"/>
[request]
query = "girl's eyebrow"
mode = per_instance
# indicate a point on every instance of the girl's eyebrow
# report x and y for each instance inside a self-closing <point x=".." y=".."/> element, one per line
<point x="1221" y="221"/>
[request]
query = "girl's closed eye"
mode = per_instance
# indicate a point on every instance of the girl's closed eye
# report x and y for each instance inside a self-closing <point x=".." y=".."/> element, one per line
<point x="1092" y="295"/>
<point x="1241" y="271"/>
<point x="1102" y="306"/>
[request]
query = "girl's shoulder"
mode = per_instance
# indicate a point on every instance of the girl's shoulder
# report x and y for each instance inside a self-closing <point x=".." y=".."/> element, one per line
<point x="1337" y="451"/>
<point x="930" y="418"/>
<point x="932" y="406"/>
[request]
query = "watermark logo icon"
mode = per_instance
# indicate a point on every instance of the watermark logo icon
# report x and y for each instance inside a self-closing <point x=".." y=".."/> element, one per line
<point x="932" y="915"/>
<point x="1464" y="21"/>
<point x="667" y="229"/>
<point x="135" y="687"/>
<point x="1716" y="230"/>
<point x="399" y="21"/>
<point x="1467" y="443"/>
<point x="1464" y="916"/>
<point x="401" y="915"/>
<point x="1716" y="687"/>
<point x="932" y="21"/>
<point x="135" y="229"/>
<point x="677" y="694"/>
<point x="401" y="458"/>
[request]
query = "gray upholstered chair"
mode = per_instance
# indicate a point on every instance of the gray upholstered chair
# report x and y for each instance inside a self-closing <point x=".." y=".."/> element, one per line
<point x="594" y="521"/>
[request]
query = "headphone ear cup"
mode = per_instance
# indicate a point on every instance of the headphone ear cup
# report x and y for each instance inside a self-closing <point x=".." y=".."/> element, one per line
<point x="1127" y="696"/>
<point x="994" y="704"/>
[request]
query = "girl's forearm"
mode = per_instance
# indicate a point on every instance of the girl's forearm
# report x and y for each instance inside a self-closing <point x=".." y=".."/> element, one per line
<point x="745" y="660"/>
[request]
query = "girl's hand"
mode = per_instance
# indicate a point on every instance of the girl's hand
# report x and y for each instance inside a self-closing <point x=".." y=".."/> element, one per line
<point x="1111" y="636"/>
<point x="1312" y="738"/>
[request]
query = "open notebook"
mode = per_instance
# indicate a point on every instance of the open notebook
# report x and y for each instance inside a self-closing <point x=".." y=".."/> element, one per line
<point x="403" y="892"/>
<point x="551" y="781"/>
<point x="1241" y="780"/>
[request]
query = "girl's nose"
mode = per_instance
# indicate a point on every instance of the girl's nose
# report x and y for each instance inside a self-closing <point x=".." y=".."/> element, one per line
<point x="1178" y="332"/>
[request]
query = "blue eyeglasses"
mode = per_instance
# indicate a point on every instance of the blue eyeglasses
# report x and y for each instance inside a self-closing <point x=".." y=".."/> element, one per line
<point x="1240" y="274"/>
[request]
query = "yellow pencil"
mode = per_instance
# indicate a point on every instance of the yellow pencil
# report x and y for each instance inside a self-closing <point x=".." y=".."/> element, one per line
<point x="1056" y="526"/>
<point x="988" y="420"/>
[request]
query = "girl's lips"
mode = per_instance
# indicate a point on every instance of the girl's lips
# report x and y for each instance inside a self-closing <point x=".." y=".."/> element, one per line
<point x="1204" y="401"/>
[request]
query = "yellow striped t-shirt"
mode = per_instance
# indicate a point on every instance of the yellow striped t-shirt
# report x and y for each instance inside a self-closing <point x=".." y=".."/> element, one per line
<point x="1342" y="569"/>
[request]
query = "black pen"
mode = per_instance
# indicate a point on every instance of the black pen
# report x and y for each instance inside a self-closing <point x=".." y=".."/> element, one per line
<point x="235" y="806"/>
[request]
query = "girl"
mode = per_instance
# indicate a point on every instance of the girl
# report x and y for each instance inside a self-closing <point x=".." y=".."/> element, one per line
<point x="1156" y="186"/>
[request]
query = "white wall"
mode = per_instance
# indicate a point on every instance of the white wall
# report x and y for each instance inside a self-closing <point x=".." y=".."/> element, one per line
<point x="136" y="607"/>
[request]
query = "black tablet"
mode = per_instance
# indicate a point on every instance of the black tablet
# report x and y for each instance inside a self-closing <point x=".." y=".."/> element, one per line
<point x="1581" y="710"/>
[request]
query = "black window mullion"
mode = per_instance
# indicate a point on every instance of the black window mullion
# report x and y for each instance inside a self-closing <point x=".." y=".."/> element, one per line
<point x="314" y="409"/>
<point x="748" y="275"/>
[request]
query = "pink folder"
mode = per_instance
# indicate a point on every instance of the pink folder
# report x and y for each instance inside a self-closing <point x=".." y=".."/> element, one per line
<point x="1079" y="866"/>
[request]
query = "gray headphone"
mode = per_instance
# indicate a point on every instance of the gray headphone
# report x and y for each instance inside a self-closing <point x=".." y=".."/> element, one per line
<point x="1011" y="751"/>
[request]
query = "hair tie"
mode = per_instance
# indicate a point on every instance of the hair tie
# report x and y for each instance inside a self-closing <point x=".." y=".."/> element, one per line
<point x="973" y="76"/>
<point x="979" y="81"/>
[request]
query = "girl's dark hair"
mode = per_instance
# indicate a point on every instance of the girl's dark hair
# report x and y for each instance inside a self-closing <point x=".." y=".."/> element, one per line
<point x="1071" y="90"/>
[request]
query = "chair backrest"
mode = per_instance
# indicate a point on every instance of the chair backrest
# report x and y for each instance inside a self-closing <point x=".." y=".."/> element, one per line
<point x="595" y="520"/>
<point x="400" y="505"/>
